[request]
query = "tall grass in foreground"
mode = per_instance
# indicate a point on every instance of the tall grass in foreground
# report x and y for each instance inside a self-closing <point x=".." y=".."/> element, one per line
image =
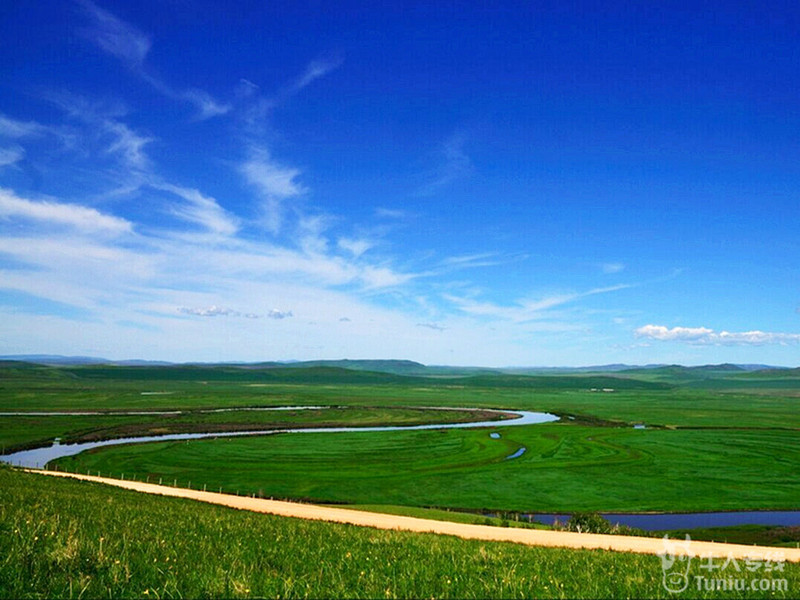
<point x="62" y="538"/>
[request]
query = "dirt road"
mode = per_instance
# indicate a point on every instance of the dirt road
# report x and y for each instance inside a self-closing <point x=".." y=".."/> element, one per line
<point x="531" y="537"/>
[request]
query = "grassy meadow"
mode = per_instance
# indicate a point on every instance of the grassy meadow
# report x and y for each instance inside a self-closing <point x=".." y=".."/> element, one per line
<point x="565" y="468"/>
<point x="716" y="439"/>
<point x="69" y="539"/>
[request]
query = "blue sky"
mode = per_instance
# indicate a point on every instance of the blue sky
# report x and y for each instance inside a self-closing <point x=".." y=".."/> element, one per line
<point x="529" y="183"/>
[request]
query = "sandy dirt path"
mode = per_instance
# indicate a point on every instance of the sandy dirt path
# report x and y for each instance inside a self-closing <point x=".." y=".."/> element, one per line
<point x="531" y="537"/>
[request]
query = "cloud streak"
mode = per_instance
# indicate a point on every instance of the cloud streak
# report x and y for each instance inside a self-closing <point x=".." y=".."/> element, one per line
<point x="453" y="164"/>
<point x="130" y="46"/>
<point x="11" y="155"/>
<point x="58" y="213"/>
<point x="274" y="182"/>
<point x="115" y="36"/>
<point x="202" y="210"/>
<point x="526" y="310"/>
<point x="706" y="336"/>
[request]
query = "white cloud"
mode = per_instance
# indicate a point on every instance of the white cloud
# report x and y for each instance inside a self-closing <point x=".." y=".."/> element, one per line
<point x="704" y="335"/>
<point x="211" y="311"/>
<point x="127" y="144"/>
<point x="261" y="107"/>
<point x="115" y="36"/>
<point x="216" y="311"/>
<point x="103" y="126"/>
<point x="206" y="105"/>
<point x="126" y="43"/>
<point x="526" y="310"/>
<point x="390" y="213"/>
<point x="202" y="210"/>
<point x="314" y="70"/>
<point x="471" y="261"/>
<point x="271" y="178"/>
<point x="11" y="155"/>
<point x="57" y="213"/>
<point x="309" y="233"/>
<point x="12" y="128"/>
<point x="279" y="314"/>
<point x="274" y="182"/>
<point x="356" y="247"/>
<point x="383" y="277"/>
<point x="610" y="268"/>
<point x="453" y="164"/>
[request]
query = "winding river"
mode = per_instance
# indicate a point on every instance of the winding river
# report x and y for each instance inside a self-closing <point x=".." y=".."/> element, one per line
<point x="39" y="457"/>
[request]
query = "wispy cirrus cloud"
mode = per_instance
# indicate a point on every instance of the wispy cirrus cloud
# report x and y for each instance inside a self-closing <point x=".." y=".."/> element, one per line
<point x="103" y="125"/>
<point x="11" y="155"/>
<point x="274" y="182"/>
<point x="131" y="46"/>
<point x="113" y="35"/>
<point x="707" y="336"/>
<point x="316" y="69"/>
<point x="355" y="246"/>
<point x="612" y="267"/>
<point x="262" y="106"/>
<point x="525" y="310"/>
<point x="390" y="213"/>
<point x="127" y="144"/>
<point x="12" y="128"/>
<point x="452" y="163"/>
<point x="76" y="216"/>
<point x="479" y="259"/>
<point x="201" y="210"/>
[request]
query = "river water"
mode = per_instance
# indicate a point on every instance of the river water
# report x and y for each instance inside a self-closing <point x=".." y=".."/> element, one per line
<point x="39" y="457"/>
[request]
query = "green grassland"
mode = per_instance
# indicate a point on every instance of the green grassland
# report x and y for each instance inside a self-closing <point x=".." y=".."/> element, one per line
<point x="68" y="539"/>
<point x="717" y="439"/>
<point x="565" y="468"/>
<point x="710" y="443"/>
<point x="21" y="431"/>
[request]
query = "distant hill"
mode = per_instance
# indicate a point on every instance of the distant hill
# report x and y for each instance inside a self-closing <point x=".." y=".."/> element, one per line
<point x="58" y="360"/>
<point x="398" y="367"/>
<point x="54" y="359"/>
<point x="566" y="382"/>
<point x="612" y="368"/>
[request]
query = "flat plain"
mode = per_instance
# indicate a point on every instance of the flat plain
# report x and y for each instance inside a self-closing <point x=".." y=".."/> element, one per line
<point x="714" y="439"/>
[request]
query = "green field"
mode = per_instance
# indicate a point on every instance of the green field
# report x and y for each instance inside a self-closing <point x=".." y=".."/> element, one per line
<point x="711" y="443"/>
<point x="565" y="468"/>
<point x="716" y="439"/>
<point x="17" y="432"/>
<point x="65" y="539"/>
